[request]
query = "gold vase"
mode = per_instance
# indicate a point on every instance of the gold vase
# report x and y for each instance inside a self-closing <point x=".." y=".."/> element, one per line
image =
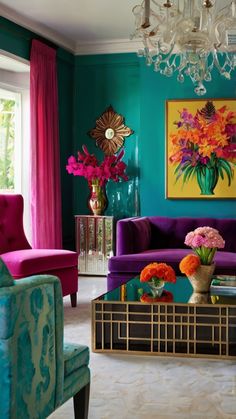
<point x="97" y="199"/>
<point x="201" y="279"/>
<point x="200" y="298"/>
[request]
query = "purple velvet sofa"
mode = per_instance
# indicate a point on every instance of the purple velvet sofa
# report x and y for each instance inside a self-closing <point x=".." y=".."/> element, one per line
<point x="142" y="240"/>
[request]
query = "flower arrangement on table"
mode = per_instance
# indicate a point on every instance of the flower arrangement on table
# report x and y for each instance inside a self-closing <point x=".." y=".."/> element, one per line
<point x="97" y="174"/>
<point x="156" y="274"/>
<point x="203" y="146"/>
<point x="205" y="241"/>
<point x="199" y="266"/>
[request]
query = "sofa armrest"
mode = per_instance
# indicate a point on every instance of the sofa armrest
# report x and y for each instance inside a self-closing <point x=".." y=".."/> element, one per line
<point x="133" y="235"/>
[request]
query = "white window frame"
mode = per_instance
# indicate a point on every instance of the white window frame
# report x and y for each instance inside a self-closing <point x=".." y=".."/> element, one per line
<point x="11" y="95"/>
<point x="12" y="83"/>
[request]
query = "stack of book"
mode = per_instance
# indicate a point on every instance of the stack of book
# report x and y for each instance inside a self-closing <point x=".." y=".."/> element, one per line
<point x="223" y="285"/>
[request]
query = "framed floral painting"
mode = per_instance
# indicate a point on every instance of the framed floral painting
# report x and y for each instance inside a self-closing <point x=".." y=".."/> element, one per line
<point x="201" y="149"/>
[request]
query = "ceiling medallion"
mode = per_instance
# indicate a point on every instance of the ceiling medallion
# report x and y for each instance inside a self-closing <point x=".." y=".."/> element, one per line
<point x="110" y="131"/>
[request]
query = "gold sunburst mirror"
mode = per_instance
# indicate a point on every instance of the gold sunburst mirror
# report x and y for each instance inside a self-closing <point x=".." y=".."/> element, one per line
<point x="110" y="131"/>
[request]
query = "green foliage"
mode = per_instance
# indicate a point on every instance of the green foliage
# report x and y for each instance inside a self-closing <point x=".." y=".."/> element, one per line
<point x="7" y="139"/>
<point x="221" y="167"/>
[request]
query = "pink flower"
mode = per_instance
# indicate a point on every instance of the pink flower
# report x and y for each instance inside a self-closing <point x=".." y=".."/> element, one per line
<point x="205" y="241"/>
<point x="204" y="236"/>
<point x="197" y="241"/>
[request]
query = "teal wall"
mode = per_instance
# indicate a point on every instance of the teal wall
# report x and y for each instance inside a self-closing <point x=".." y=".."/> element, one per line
<point x="140" y="94"/>
<point x="101" y="81"/>
<point x="17" y="41"/>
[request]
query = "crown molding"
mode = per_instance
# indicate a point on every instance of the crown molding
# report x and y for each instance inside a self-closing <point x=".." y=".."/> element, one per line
<point x="37" y="28"/>
<point x="113" y="46"/>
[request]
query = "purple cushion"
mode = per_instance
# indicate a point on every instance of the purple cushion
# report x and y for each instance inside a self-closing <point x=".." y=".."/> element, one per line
<point x="28" y="262"/>
<point x="133" y="235"/>
<point x="170" y="232"/>
<point x="142" y="228"/>
<point x="225" y="261"/>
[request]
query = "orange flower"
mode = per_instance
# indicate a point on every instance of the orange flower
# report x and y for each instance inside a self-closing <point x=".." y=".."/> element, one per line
<point x="161" y="271"/>
<point x="189" y="264"/>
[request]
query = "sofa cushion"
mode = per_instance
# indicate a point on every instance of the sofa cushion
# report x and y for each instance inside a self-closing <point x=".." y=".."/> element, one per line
<point x="170" y="232"/>
<point x="28" y="262"/>
<point x="136" y="262"/>
<point x="75" y="356"/>
<point x="142" y="228"/>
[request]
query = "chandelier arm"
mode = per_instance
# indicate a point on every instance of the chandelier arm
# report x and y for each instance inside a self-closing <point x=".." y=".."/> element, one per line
<point x="169" y="55"/>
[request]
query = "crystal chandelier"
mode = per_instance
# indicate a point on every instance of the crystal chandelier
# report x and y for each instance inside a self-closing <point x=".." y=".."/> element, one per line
<point x="189" y="37"/>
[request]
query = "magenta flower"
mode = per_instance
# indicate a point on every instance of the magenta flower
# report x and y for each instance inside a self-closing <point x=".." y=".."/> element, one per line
<point x="87" y="165"/>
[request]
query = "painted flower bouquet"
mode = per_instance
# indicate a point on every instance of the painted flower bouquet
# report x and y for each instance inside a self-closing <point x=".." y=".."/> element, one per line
<point x="156" y="274"/>
<point x="87" y="165"/>
<point x="203" y="146"/>
<point x="205" y="241"/>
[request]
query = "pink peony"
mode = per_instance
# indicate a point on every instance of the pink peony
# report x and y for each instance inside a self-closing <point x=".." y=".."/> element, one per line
<point x="204" y="236"/>
<point x="205" y="241"/>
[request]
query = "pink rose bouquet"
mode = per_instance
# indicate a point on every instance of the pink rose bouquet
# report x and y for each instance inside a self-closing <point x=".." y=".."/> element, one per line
<point x="87" y="165"/>
<point x="205" y="241"/>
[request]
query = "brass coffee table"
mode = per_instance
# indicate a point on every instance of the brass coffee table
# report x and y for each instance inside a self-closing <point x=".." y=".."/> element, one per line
<point x="204" y="327"/>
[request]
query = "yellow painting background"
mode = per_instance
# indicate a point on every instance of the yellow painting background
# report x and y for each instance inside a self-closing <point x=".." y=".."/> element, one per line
<point x="191" y="189"/>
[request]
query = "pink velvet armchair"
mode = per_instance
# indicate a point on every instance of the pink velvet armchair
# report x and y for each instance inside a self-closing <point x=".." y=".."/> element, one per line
<point x="23" y="261"/>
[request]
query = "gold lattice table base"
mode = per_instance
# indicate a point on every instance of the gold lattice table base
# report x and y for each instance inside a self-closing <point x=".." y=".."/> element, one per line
<point x="164" y="329"/>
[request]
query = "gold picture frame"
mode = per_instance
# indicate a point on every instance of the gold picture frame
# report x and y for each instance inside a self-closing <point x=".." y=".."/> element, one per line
<point x="110" y="131"/>
<point x="201" y="149"/>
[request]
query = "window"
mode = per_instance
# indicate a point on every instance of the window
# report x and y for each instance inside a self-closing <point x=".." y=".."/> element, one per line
<point x="10" y="141"/>
<point x="15" y="130"/>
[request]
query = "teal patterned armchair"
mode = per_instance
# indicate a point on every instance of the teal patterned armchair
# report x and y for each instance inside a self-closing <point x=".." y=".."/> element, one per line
<point x="38" y="373"/>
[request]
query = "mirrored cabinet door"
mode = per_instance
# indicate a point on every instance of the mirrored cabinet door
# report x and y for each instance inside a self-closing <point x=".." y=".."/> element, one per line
<point x="94" y="243"/>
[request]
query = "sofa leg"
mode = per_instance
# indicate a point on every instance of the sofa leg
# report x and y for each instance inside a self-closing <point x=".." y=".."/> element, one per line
<point x="81" y="403"/>
<point x="73" y="299"/>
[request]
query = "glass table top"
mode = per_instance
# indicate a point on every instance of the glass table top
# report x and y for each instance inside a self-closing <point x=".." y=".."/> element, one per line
<point x="181" y="292"/>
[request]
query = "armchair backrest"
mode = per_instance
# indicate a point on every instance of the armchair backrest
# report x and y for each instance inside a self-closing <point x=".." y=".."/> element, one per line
<point x="31" y="346"/>
<point x="12" y="235"/>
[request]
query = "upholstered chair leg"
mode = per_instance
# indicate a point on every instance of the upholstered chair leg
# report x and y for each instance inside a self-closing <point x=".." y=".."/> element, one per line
<point x="81" y="403"/>
<point x="73" y="299"/>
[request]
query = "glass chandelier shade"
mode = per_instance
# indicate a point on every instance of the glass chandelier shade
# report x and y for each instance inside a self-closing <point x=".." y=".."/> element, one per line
<point x="189" y="37"/>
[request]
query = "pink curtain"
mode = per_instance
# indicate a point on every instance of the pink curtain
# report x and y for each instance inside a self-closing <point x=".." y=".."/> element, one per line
<point x="45" y="153"/>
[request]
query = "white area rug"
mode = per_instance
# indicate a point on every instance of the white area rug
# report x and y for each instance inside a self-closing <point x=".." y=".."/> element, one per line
<point x="142" y="387"/>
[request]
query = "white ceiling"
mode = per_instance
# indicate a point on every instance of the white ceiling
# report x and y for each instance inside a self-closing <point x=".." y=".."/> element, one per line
<point x="81" y="26"/>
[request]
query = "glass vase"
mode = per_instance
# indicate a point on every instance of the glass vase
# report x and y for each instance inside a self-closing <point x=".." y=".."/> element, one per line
<point x="156" y="290"/>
